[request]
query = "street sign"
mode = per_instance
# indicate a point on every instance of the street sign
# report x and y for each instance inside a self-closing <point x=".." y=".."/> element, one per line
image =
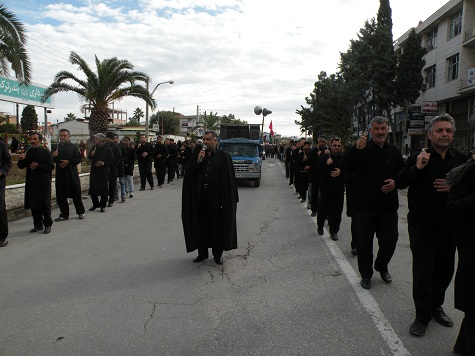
<point x="417" y="131"/>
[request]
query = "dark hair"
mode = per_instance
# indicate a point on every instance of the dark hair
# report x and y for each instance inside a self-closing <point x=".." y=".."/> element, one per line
<point x="335" y="139"/>
<point x="110" y="134"/>
<point x="213" y="133"/>
<point x="126" y="137"/>
<point x="40" y="137"/>
<point x="65" y="130"/>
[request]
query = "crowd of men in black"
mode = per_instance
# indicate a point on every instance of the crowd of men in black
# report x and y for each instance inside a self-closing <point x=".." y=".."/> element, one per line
<point x="372" y="171"/>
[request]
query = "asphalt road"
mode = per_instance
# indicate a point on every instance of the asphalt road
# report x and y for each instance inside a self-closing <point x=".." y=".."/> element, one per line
<point x="121" y="283"/>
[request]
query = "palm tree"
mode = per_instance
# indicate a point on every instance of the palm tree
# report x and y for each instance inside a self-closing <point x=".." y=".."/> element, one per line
<point x="113" y="81"/>
<point x="13" y="47"/>
<point x="135" y="119"/>
<point x="211" y="121"/>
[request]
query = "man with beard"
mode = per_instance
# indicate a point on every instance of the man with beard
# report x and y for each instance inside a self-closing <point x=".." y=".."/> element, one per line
<point x="101" y="157"/>
<point x="5" y="165"/>
<point x="430" y="230"/>
<point x="376" y="164"/>
<point x="331" y="189"/>
<point x="129" y="165"/>
<point x="159" y="157"/>
<point x="66" y="157"/>
<point x="209" y="201"/>
<point x="39" y="164"/>
<point x="144" y="154"/>
<point x="114" y="167"/>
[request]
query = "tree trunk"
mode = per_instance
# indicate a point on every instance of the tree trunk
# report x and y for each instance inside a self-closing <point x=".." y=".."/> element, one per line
<point x="393" y="127"/>
<point x="98" y="121"/>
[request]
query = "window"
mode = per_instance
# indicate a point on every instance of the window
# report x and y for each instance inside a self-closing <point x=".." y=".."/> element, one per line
<point x="453" y="67"/>
<point x="430" y="76"/>
<point x="456" y="24"/>
<point x="431" y="40"/>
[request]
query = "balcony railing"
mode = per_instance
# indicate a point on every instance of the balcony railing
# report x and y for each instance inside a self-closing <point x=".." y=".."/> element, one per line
<point x="469" y="34"/>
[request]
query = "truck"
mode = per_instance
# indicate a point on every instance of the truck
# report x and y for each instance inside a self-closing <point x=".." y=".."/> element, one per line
<point x="243" y="143"/>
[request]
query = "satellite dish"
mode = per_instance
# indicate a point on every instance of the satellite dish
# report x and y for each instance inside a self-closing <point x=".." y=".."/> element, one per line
<point x="257" y="110"/>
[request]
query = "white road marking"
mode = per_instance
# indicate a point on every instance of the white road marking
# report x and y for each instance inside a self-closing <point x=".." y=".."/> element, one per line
<point x="369" y="303"/>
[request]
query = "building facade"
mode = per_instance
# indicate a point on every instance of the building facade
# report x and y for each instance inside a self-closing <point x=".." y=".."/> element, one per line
<point x="449" y="74"/>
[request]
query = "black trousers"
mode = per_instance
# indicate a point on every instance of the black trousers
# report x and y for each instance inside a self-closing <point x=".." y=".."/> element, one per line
<point x="170" y="163"/>
<point x="210" y="226"/>
<point x="64" y="206"/>
<point x="287" y="169"/>
<point x="354" y="233"/>
<point x="433" y="264"/>
<point x="3" y="217"/>
<point x="315" y="194"/>
<point x="145" y="170"/>
<point x="384" y="225"/>
<point x="96" y="203"/>
<point x="112" y="185"/>
<point x="331" y="205"/>
<point x="160" y="170"/>
<point x="42" y="217"/>
<point x="466" y="339"/>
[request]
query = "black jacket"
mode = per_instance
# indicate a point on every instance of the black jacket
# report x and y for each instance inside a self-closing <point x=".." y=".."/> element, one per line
<point x="372" y="166"/>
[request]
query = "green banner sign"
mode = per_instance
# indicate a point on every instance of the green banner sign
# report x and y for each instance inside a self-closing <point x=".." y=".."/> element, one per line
<point x="11" y="90"/>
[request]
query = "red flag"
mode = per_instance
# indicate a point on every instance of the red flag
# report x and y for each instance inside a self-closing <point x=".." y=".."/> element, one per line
<point x="271" y="130"/>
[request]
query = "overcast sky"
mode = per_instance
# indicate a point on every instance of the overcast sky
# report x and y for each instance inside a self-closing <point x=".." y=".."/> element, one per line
<point x="225" y="56"/>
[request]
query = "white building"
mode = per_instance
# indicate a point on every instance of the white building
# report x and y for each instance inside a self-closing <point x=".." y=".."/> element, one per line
<point x="449" y="73"/>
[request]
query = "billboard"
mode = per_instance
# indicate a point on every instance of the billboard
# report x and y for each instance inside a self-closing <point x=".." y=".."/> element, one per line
<point x="12" y="91"/>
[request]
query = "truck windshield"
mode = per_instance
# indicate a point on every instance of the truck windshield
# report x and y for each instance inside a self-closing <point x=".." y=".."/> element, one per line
<point x="241" y="150"/>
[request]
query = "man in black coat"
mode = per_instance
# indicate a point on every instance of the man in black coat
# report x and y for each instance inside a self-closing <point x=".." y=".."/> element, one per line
<point x="5" y="165"/>
<point x="67" y="183"/>
<point x="430" y="230"/>
<point x="170" y="159"/>
<point x="209" y="201"/>
<point x="129" y="165"/>
<point x="376" y="164"/>
<point x="159" y="157"/>
<point x="315" y="154"/>
<point x="39" y="164"/>
<point x="114" y="167"/>
<point x="144" y="153"/>
<point x="120" y="171"/>
<point x="101" y="157"/>
<point x="461" y="207"/>
<point x="331" y="189"/>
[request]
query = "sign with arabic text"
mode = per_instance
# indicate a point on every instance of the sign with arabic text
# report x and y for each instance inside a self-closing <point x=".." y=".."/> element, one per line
<point x="11" y="90"/>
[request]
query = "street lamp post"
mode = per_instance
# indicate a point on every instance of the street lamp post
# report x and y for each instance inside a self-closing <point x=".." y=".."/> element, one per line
<point x="146" y="107"/>
<point x="258" y="110"/>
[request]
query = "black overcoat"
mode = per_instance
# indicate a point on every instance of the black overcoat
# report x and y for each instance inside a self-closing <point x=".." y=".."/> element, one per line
<point x="67" y="181"/>
<point x="461" y="207"/>
<point x="99" y="177"/>
<point x="38" y="181"/>
<point x="5" y="165"/>
<point x="129" y="161"/>
<point x="222" y="191"/>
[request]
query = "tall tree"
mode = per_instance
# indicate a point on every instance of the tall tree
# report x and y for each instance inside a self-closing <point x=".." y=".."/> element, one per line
<point x="29" y="119"/>
<point x="70" y="117"/>
<point x="114" y="80"/>
<point x="170" y="121"/>
<point x="384" y="65"/>
<point x="13" y="47"/>
<point x="409" y="77"/>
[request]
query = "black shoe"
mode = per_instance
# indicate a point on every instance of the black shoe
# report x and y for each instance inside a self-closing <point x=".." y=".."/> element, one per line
<point x="199" y="259"/>
<point x="334" y="237"/>
<point x="93" y="208"/>
<point x="131" y="196"/>
<point x="81" y="216"/>
<point x="103" y="210"/>
<point x="142" y="188"/>
<point x="122" y="200"/>
<point x="366" y="283"/>
<point x="47" y="229"/>
<point x="313" y="214"/>
<point x="320" y="231"/>
<point x="60" y="218"/>
<point x="303" y="200"/>
<point x="442" y="318"/>
<point x="354" y="251"/>
<point x="36" y="229"/>
<point x="299" y="197"/>
<point x="385" y="276"/>
<point x="218" y="261"/>
<point x="3" y="243"/>
<point x="110" y="205"/>
<point x="418" y="328"/>
<point x="152" y="187"/>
